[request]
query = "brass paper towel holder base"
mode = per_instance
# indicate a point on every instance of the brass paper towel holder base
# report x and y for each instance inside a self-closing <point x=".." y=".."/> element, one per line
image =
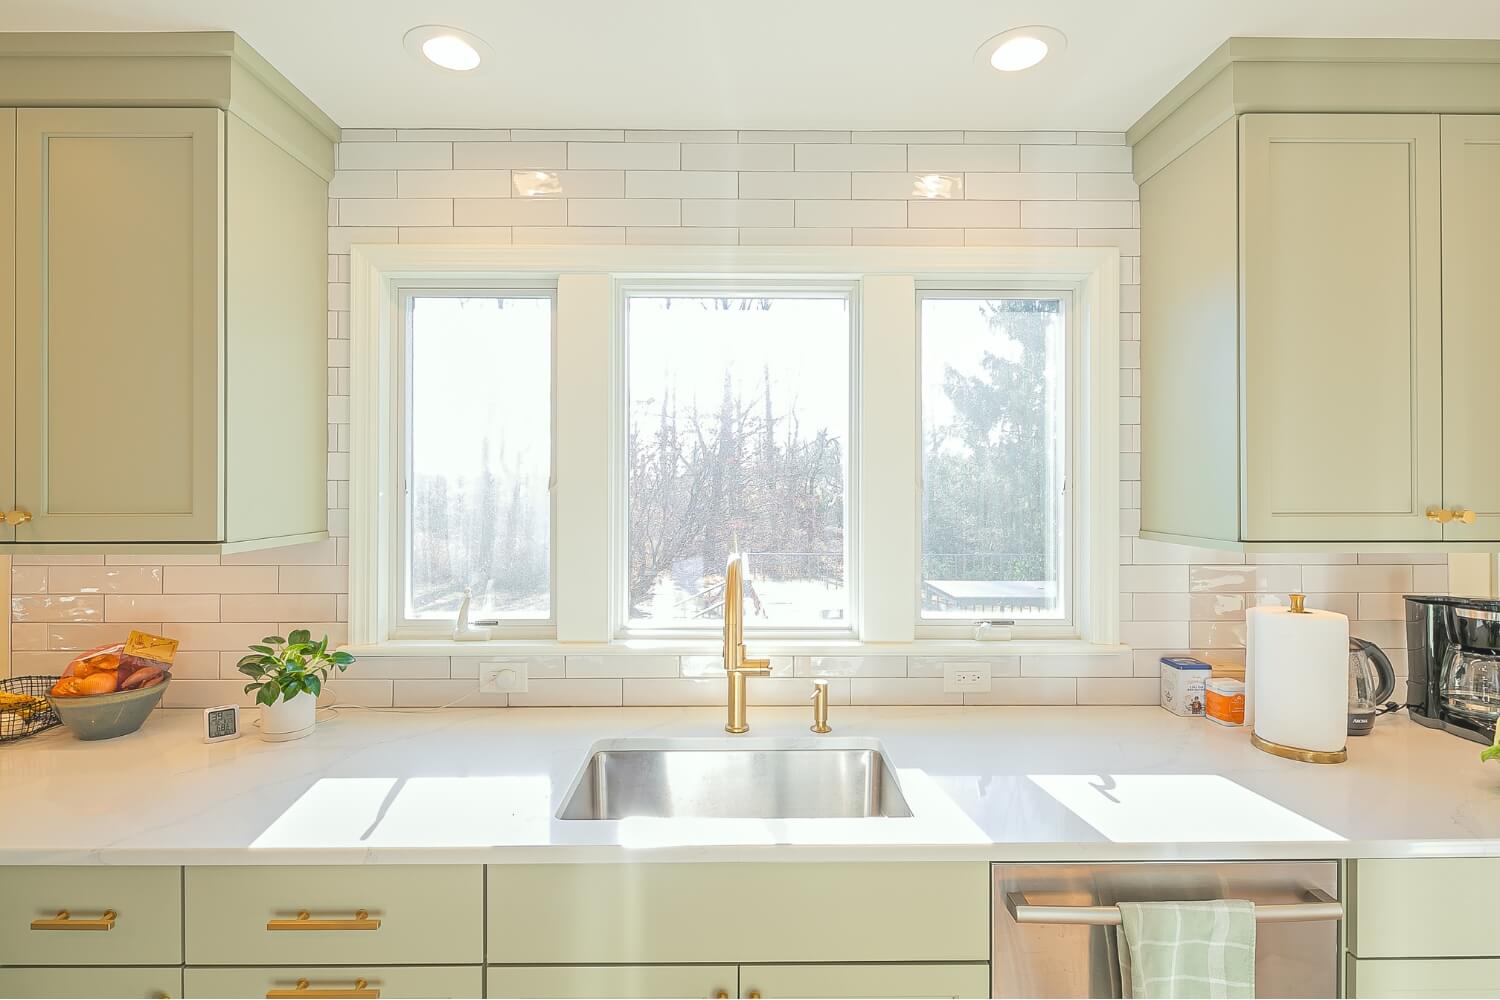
<point x="1297" y="753"/>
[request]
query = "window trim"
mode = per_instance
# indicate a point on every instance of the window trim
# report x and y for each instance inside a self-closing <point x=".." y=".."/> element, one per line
<point x="585" y="323"/>
<point x="1067" y="627"/>
<point x="689" y="284"/>
<point x="398" y="529"/>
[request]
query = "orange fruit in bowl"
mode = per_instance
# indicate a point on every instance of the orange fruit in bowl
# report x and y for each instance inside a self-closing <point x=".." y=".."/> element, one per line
<point x="103" y="682"/>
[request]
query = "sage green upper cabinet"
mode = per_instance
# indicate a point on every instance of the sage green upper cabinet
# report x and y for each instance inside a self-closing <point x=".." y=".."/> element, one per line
<point x="1319" y="312"/>
<point x="119" y="276"/>
<point x="7" y="316"/>
<point x="1340" y="283"/>
<point x="1471" y="322"/>
<point x="169" y="211"/>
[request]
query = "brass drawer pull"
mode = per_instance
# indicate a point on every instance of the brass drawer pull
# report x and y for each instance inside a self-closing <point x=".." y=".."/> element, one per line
<point x="65" y="921"/>
<point x="303" y="988"/>
<point x="1443" y="516"/>
<point x="15" y="517"/>
<point x="303" y="921"/>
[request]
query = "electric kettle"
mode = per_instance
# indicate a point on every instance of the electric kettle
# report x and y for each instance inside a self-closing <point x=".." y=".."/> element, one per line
<point x="1371" y="681"/>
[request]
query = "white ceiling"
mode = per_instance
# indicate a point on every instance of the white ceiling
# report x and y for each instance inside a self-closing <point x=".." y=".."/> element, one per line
<point x="860" y="64"/>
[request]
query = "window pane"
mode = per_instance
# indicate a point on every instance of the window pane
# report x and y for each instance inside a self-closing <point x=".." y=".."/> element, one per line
<point x="993" y="458"/>
<point x="480" y="455"/>
<point x="739" y="428"/>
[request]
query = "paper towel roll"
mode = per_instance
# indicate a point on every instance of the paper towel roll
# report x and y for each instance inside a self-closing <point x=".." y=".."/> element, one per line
<point x="1297" y="677"/>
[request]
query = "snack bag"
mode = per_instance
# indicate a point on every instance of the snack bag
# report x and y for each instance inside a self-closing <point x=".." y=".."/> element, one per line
<point x="141" y="661"/>
<point x="145" y="660"/>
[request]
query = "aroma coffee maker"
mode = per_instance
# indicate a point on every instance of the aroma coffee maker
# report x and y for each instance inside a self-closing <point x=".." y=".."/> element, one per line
<point x="1453" y="664"/>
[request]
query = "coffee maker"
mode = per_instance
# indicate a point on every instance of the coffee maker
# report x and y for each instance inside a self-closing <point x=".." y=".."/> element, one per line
<point x="1453" y="664"/>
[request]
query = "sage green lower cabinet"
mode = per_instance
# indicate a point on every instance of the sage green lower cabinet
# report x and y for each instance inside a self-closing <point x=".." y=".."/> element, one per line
<point x="85" y="982"/>
<point x="1422" y="978"/>
<point x="428" y="914"/>
<point x="146" y="928"/>
<point x="417" y="981"/>
<point x="669" y="982"/>
<point x="1424" y="908"/>
<point x="650" y="914"/>
<point x="885" y="980"/>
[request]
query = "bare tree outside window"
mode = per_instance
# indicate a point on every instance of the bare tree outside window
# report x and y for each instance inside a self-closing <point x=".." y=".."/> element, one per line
<point x="738" y="430"/>
<point x="993" y="457"/>
<point x="479" y="455"/>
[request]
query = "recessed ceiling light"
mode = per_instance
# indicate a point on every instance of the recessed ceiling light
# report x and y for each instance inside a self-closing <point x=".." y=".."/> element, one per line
<point x="1020" y="48"/>
<point x="447" y="48"/>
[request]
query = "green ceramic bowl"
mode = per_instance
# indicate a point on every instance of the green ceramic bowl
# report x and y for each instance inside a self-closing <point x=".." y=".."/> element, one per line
<point x="105" y="716"/>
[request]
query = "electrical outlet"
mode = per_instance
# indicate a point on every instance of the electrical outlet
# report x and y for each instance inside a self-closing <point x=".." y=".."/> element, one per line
<point x="502" y="676"/>
<point x="966" y="675"/>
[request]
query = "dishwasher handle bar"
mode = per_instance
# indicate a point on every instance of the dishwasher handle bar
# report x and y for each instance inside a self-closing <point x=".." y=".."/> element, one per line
<point x="1320" y="906"/>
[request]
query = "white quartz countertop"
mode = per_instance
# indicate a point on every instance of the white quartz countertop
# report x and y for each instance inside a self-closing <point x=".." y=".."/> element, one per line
<point x="483" y="785"/>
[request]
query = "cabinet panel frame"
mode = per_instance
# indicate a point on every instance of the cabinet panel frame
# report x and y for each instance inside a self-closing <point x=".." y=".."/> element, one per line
<point x="1258" y="133"/>
<point x="35" y="127"/>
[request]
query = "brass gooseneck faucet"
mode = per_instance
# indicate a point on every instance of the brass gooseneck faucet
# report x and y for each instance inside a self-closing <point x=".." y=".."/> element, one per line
<point x="736" y="664"/>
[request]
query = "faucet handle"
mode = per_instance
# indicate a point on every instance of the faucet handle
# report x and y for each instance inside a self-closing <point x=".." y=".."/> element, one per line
<point x="749" y="666"/>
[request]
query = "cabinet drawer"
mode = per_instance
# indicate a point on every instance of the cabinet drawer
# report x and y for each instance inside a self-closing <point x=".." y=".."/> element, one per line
<point x="427" y="914"/>
<point x="664" y="913"/>
<point x="955" y="980"/>
<point x="147" y="928"/>
<point x="1424" y="908"/>
<point x="1420" y="978"/>
<point x="124" y="983"/>
<point x="400" y="981"/>
<point x="670" y="982"/>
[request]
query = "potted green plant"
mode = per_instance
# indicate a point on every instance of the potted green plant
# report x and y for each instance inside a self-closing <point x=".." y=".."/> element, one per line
<point x="287" y="675"/>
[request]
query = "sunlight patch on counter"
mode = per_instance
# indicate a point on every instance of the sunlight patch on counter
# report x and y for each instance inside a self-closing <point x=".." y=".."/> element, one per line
<point x="1147" y="808"/>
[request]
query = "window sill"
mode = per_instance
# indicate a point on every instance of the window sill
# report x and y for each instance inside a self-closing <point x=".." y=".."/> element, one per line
<point x="771" y="647"/>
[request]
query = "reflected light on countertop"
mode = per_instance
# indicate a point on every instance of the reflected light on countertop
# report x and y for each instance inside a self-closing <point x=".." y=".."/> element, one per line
<point x="422" y="811"/>
<point x="1147" y="808"/>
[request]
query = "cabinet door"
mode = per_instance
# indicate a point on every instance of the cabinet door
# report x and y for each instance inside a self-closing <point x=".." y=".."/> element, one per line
<point x="665" y="981"/>
<point x="417" y="981"/>
<point x="69" y="982"/>
<point x="119" y="309"/>
<point x="1422" y="978"/>
<point x="146" y="930"/>
<point x="1471" y="323"/>
<point x="956" y="980"/>
<point x="7" y="316"/>
<point x="1341" y="327"/>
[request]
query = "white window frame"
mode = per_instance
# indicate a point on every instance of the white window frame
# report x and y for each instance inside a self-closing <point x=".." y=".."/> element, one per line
<point x="587" y="402"/>
<point x="1067" y="626"/>
<point x="399" y="488"/>
<point x="690" y="285"/>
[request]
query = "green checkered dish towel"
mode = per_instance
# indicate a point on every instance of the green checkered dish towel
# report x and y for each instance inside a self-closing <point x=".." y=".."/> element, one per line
<point x="1188" y="949"/>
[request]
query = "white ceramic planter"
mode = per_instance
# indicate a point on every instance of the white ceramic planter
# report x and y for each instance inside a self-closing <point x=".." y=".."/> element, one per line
<point x="288" y="720"/>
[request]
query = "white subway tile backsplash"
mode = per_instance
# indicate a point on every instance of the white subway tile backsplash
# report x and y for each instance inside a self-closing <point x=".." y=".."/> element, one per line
<point x="736" y="156"/>
<point x="715" y="212"/>
<point x="453" y="234"/>
<point x="962" y="158"/>
<point x="849" y="156"/>
<point x="1386" y="579"/>
<point x="363" y="184"/>
<point x="162" y="607"/>
<point x="1078" y="664"/>
<point x="104" y="580"/>
<point x="793" y="135"/>
<point x="682" y="184"/>
<point x="569" y="235"/>
<point x="624" y="155"/>
<point x="907" y="186"/>
<point x="451" y="184"/>
<point x="1075" y="215"/>
<point x="901" y="691"/>
<point x="509" y="212"/>
<point x="509" y="155"/>
<point x="908" y="237"/>
<point x="807" y="236"/>
<point x="1075" y="159"/>
<point x="605" y="691"/>
<point x="57" y="608"/>
<point x="568" y="134"/>
<point x="683" y="236"/>
<point x="621" y="666"/>
<point x="1026" y="691"/>
<point x="395" y="156"/>
<point x="1017" y="186"/>
<point x="774" y="184"/>
<point x="625" y="212"/>
<point x="681" y="135"/>
<point x="436" y="692"/>
<point x="568" y="183"/>
<point x="395" y="212"/>
<point x="1018" y="138"/>
<point x="1119" y="690"/>
<point x="851" y="666"/>
<point x="968" y="214"/>
<point x="850" y="213"/>
<point x="1107" y="187"/>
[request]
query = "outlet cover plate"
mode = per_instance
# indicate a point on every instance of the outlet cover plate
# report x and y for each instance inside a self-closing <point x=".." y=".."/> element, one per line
<point x="965" y="675"/>
<point x="502" y="676"/>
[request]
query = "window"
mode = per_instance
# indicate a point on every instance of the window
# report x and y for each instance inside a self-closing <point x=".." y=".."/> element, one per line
<point x="901" y="441"/>
<point x="478" y="455"/>
<point x="995" y="429"/>
<point x="737" y="433"/>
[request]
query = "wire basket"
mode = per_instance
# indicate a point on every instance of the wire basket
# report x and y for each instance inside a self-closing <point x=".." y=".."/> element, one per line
<point x="18" y="718"/>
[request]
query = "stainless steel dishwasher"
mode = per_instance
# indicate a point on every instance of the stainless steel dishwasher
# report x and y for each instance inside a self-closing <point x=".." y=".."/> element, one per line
<point x="1055" y="925"/>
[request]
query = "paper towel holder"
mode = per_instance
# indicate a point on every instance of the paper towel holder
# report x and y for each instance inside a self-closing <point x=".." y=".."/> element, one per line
<point x="1299" y="604"/>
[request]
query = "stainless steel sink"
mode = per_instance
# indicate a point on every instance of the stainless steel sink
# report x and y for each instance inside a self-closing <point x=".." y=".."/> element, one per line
<point x="735" y="779"/>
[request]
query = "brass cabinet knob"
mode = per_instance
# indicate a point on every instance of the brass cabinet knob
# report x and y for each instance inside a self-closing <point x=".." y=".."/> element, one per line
<point x="1463" y="515"/>
<point x="1439" y="514"/>
<point x="15" y="517"/>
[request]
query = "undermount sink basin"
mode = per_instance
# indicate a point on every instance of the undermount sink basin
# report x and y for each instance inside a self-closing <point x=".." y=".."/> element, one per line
<point x="735" y="779"/>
